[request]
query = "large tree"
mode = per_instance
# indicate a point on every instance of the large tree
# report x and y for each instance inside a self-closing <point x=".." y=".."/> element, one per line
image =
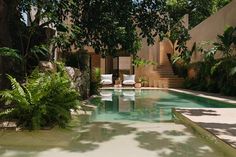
<point x="5" y="39"/>
<point x="107" y="26"/>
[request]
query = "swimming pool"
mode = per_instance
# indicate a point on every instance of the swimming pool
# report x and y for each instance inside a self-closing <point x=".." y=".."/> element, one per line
<point x="147" y="105"/>
<point x="128" y="123"/>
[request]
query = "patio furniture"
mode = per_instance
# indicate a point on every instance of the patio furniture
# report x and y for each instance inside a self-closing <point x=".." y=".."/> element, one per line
<point x="106" y="79"/>
<point x="128" y="80"/>
<point x="106" y="95"/>
<point x="129" y="96"/>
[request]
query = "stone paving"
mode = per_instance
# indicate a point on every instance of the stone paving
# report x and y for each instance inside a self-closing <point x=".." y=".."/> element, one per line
<point x="219" y="121"/>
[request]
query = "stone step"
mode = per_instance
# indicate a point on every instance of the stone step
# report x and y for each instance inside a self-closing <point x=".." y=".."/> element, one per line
<point x="168" y="82"/>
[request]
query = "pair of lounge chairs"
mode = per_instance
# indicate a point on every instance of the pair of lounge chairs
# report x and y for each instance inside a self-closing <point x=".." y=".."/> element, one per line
<point x="128" y="80"/>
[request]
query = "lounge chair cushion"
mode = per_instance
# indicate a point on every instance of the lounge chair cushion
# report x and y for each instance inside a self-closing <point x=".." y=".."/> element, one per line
<point x="129" y="79"/>
<point x="106" y="79"/>
<point x="106" y="95"/>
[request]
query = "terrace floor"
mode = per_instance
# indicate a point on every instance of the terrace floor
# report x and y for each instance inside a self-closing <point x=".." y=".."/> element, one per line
<point x="220" y="122"/>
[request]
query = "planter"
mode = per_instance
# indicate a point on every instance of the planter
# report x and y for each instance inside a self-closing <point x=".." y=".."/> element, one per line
<point x="138" y="85"/>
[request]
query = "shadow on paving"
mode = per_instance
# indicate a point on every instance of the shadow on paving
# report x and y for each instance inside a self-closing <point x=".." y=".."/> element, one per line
<point x="222" y="129"/>
<point x="199" y="112"/>
<point x="172" y="141"/>
<point x="166" y="146"/>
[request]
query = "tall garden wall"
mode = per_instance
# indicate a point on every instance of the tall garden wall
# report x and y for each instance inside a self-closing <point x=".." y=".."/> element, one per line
<point x="212" y="26"/>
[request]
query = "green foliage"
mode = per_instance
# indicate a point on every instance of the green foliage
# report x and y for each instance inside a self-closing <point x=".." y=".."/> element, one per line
<point x="139" y="62"/>
<point x="227" y="42"/>
<point x="208" y="51"/>
<point x="179" y="35"/>
<point x="185" y="55"/>
<point x="95" y="84"/>
<point x="142" y="80"/>
<point x="109" y="26"/>
<point x="8" y="52"/>
<point x="223" y="70"/>
<point x="44" y="101"/>
<point x="38" y="50"/>
<point x="217" y="75"/>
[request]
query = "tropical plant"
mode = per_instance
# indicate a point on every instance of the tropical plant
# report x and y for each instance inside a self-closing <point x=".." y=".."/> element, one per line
<point x="217" y="75"/>
<point x="226" y="45"/>
<point x="142" y="80"/>
<point x="185" y="55"/>
<point x="44" y="101"/>
<point x="95" y="84"/>
<point x="227" y="42"/>
<point x="139" y="62"/>
<point x="178" y="35"/>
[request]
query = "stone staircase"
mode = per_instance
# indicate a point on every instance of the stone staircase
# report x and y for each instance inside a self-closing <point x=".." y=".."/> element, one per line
<point x="163" y="76"/>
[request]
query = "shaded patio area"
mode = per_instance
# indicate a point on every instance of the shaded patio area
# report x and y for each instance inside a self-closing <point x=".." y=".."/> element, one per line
<point x="219" y="122"/>
<point x="110" y="139"/>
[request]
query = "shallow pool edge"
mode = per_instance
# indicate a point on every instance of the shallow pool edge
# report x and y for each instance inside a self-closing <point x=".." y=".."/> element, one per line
<point x="211" y="138"/>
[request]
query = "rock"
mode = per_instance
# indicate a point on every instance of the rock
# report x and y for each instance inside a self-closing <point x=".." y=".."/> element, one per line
<point x="47" y="66"/>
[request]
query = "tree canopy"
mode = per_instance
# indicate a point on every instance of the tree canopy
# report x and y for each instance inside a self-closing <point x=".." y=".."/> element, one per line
<point x="109" y="26"/>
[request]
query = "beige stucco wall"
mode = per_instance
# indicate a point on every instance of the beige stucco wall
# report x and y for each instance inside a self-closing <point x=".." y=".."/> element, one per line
<point x="211" y="27"/>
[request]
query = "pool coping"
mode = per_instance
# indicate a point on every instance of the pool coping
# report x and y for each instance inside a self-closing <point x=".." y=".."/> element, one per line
<point x="225" y="147"/>
<point x="212" y="96"/>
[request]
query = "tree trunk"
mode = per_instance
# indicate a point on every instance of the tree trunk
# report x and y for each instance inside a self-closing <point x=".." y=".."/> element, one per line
<point x="5" y="41"/>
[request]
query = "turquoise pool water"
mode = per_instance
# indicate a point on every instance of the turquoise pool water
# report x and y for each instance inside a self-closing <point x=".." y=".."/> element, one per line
<point x="147" y="105"/>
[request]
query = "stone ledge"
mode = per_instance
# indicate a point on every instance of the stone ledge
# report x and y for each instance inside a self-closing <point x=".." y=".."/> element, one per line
<point x="225" y="147"/>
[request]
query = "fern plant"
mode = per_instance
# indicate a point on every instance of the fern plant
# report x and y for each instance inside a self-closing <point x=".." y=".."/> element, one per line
<point x="46" y="100"/>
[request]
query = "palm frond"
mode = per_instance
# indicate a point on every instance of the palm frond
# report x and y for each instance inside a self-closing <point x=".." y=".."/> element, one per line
<point x="214" y="68"/>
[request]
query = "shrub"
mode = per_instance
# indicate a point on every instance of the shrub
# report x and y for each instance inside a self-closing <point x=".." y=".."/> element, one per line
<point x="95" y="84"/>
<point x="44" y="101"/>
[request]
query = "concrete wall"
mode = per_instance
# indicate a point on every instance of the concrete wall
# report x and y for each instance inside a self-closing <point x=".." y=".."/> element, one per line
<point x="211" y="27"/>
<point x="150" y="53"/>
<point x="95" y="61"/>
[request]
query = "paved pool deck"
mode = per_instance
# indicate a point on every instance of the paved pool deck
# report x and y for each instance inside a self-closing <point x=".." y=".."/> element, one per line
<point x="219" y="122"/>
<point x="213" y="96"/>
<point x="109" y="139"/>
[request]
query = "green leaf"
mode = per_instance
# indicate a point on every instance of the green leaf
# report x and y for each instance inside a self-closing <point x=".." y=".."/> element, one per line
<point x="8" y="52"/>
<point x="233" y="71"/>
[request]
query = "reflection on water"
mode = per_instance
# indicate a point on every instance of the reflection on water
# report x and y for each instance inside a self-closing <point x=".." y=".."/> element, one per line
<point x="144" y="105"/>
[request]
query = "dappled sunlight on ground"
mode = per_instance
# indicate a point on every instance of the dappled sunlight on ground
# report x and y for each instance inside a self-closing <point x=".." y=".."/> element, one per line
<point x="135" y="139"/>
